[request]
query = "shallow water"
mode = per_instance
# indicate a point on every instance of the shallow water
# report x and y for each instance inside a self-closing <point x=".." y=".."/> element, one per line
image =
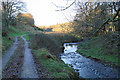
<point x="86" y="67"/>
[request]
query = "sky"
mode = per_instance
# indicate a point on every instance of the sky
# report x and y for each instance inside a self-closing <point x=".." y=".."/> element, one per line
<point x="44" y="14"/>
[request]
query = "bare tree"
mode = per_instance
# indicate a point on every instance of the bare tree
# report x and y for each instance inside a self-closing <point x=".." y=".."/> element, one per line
<point x="10" y="8"/>
<point x="94" y="14"/>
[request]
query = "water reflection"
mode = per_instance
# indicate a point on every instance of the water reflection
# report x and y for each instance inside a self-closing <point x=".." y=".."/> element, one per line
<point x="70" y="47"/>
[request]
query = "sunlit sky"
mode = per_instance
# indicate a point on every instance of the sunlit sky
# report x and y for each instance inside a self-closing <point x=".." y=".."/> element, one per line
<point x="44" y="12"/>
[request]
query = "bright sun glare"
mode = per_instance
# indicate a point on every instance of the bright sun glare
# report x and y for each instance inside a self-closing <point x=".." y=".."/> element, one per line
<point x="44" y="12"/>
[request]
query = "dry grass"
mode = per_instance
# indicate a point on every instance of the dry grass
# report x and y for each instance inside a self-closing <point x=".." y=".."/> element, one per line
<point x="54" y="33"/>
<point x="44" y="41"/>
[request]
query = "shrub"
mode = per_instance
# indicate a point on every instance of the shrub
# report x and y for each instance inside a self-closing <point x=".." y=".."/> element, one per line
<point x="44" y="41"/>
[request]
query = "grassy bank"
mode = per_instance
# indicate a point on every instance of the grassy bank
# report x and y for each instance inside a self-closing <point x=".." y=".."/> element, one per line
<point x="56" y="68"/>
<point x="101" y="48"/>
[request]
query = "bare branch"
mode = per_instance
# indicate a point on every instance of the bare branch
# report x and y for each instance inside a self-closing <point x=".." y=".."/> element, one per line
<point x="116" y="14"/>
<point x="58" y="6"/>
<point x="64" y="8"/>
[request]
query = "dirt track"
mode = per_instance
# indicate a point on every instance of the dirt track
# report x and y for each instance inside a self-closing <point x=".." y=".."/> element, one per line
<point x="28" y="69"/>
<point x="17" y="62"/>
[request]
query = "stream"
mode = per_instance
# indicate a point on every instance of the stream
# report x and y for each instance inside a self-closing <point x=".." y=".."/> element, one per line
<point x="87" y="68"/>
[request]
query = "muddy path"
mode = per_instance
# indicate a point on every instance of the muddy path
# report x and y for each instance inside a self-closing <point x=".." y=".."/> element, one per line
<point x="13" y="67"/>
<point x="17" y="61"/>
<point x="28" y="68"/>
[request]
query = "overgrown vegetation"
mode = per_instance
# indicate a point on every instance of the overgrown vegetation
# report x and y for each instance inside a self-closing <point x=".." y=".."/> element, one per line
<point x="44" y="41"/>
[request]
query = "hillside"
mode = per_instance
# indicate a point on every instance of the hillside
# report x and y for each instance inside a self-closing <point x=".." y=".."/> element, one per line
<point x="60" y="28"/>
<point x="25" y="21"/>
